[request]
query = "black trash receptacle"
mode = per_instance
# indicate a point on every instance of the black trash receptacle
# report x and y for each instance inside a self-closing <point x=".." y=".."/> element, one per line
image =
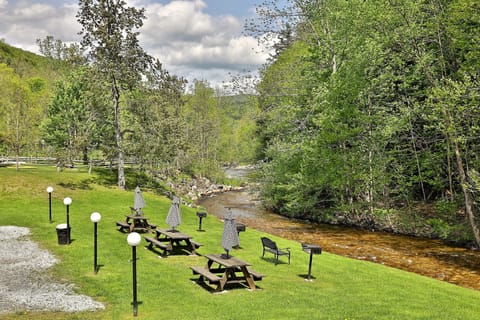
<point x="63" y="233"/>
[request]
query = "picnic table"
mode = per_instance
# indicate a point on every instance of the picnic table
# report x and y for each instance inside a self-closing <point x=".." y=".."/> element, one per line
<point x="226" y="271"/>
<point x="138" y="223"/>
<point x="168" y="240"/>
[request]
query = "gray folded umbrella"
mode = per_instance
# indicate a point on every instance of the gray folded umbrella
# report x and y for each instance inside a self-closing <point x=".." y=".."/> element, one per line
<point x="173" y="218"/>
<point x="230" y="235"/>
<point x="138" y="201"/>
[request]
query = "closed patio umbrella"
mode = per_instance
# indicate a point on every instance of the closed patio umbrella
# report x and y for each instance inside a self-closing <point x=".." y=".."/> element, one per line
<point x="229" y="235"/>
<point x="138" y="201"/>
<point x="173" y="218"/>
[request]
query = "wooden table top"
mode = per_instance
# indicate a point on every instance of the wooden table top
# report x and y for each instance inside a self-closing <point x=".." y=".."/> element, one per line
<point x="230" y="262"/>
<point x="136" y="217"/>
<point x="176" y="235"/>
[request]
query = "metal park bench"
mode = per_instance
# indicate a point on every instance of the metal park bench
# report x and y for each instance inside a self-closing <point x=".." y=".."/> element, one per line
<point x="271" y="246"/>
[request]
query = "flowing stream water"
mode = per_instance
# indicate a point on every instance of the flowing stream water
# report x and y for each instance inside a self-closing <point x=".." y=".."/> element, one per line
<point x="432" y="258"/>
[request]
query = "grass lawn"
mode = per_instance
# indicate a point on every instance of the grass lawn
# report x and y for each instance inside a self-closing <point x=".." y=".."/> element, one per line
<point x="342" y="289"/>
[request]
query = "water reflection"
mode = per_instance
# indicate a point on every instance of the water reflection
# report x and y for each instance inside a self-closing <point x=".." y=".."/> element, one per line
<point x="428" y="257"/>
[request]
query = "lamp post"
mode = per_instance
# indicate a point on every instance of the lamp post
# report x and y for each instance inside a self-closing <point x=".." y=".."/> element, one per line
<point x="67" y="202"/>
<point x="133" y="240"/>
<point x="50" y="190"/>
<point x="95" y="217"/>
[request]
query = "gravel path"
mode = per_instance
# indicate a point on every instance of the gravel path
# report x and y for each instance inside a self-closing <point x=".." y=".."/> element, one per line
<point x="24" y="284"/>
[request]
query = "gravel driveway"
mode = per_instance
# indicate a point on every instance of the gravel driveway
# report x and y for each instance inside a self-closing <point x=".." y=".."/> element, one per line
<point x="24" y="284"/>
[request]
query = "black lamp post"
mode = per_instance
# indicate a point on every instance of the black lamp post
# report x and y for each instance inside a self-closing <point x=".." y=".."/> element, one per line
<point x="95" y="218"/>
<point x="200" y="216"/>
<point x="50" y="190"/>
<point x="133" y="240"/>
<point x="67" y="202"/>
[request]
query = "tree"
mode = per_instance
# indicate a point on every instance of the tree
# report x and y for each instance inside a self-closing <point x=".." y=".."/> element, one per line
<point x="202" y="116"/>
<point x="456" y="102"/>
<point x="110" y="36"/>
<point x="77" y="121"/>
<point x="157" y="137"/>
<point x="20" y="109"/>
<point x="58" y="51"/>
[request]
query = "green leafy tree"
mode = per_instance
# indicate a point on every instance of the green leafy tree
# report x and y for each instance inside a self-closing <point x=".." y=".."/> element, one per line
<point x="202" y="114"/>
<point x="110" y="36"/>
<point x="20" y="110"/>
<point x="77" y="121"/>
<point x="454" y="102"/>
<point x="345" y="121"/>
<point x="157" y="135"/>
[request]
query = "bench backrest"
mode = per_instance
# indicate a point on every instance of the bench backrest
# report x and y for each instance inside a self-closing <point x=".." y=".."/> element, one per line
<point x="269" y="243"/>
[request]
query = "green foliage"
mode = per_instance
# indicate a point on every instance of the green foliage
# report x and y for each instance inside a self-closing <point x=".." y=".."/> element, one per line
<point x="110" y="36"/>
<point x="77" y="121"/>
<point x="446" y="208"/>
<point x="27" y="64"/>
<point x="20" y="110"/>
<point x="440" y="227"/>
<point x="380" y="101"/>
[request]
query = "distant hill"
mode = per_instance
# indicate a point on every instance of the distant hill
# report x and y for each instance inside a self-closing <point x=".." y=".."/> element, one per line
<point x="27" y="64"/>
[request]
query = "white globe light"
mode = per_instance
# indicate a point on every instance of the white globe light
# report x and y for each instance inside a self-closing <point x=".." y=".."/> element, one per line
<point x="134" y="239"/>
<point x="49" y="189"/>
<point x="95" y="217"/>
<point x="67" y="201"/>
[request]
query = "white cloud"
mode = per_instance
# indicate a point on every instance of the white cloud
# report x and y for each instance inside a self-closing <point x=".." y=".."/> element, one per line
<point x="188" y="41"/>
<point x="22" y="22"/>
<point x="197" y="45"/>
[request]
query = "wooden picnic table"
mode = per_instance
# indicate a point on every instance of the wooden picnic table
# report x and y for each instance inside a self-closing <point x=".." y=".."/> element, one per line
<point x="227" y="271"/>
<point x="168" y="240"/>
<point x="138" y="223"/>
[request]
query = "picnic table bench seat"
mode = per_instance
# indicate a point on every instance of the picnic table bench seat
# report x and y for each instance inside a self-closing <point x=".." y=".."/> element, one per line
<point x="257" y="276"/>
<point x="123" y="225"/>
<point x="205" y="273"/>
<point x="195" y="244"/>
<point x="165" y="246"/>
<point x="270" y="246"/>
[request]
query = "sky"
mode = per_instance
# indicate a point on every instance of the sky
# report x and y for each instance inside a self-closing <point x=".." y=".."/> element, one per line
<point x="195" y="39"/>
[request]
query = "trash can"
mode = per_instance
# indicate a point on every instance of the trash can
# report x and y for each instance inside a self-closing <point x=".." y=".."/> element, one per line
<point x="63" y="233"/>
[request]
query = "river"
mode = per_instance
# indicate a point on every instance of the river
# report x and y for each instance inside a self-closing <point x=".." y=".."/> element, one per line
<point x="432" y="258"/>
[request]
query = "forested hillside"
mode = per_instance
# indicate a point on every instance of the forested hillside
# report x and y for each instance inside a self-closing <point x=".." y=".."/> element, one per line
<point x="371" y="108"/>
<point x="58" y="107"/>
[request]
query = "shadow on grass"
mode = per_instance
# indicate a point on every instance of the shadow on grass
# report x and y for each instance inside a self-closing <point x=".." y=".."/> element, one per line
<point x="133" y="178"/>
<point x="82" y="185"/>
<point x="226" y="288"/>
<point x="176" y="251"/>
<point x="272" y="260"/>
<point x="306" y="278"/>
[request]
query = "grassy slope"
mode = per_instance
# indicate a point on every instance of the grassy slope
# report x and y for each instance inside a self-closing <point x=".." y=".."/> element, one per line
<point x="343" y="288"/>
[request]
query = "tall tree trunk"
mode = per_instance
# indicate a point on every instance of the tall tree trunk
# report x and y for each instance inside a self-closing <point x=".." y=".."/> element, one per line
<point x="118" y="136"/>
<point x="453" y="139"/>
<point x="466" y="194"/>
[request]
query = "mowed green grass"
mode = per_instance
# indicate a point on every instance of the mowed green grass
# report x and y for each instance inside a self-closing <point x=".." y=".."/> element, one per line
<point x="342" y="289"/>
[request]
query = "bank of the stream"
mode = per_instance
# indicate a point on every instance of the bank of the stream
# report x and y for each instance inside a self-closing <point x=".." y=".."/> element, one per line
<point x="429" y="257"/>
<point x="440" y="220"/>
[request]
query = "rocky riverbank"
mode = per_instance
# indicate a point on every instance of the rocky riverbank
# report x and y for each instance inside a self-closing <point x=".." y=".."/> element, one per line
<point x="435" y="221"/>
